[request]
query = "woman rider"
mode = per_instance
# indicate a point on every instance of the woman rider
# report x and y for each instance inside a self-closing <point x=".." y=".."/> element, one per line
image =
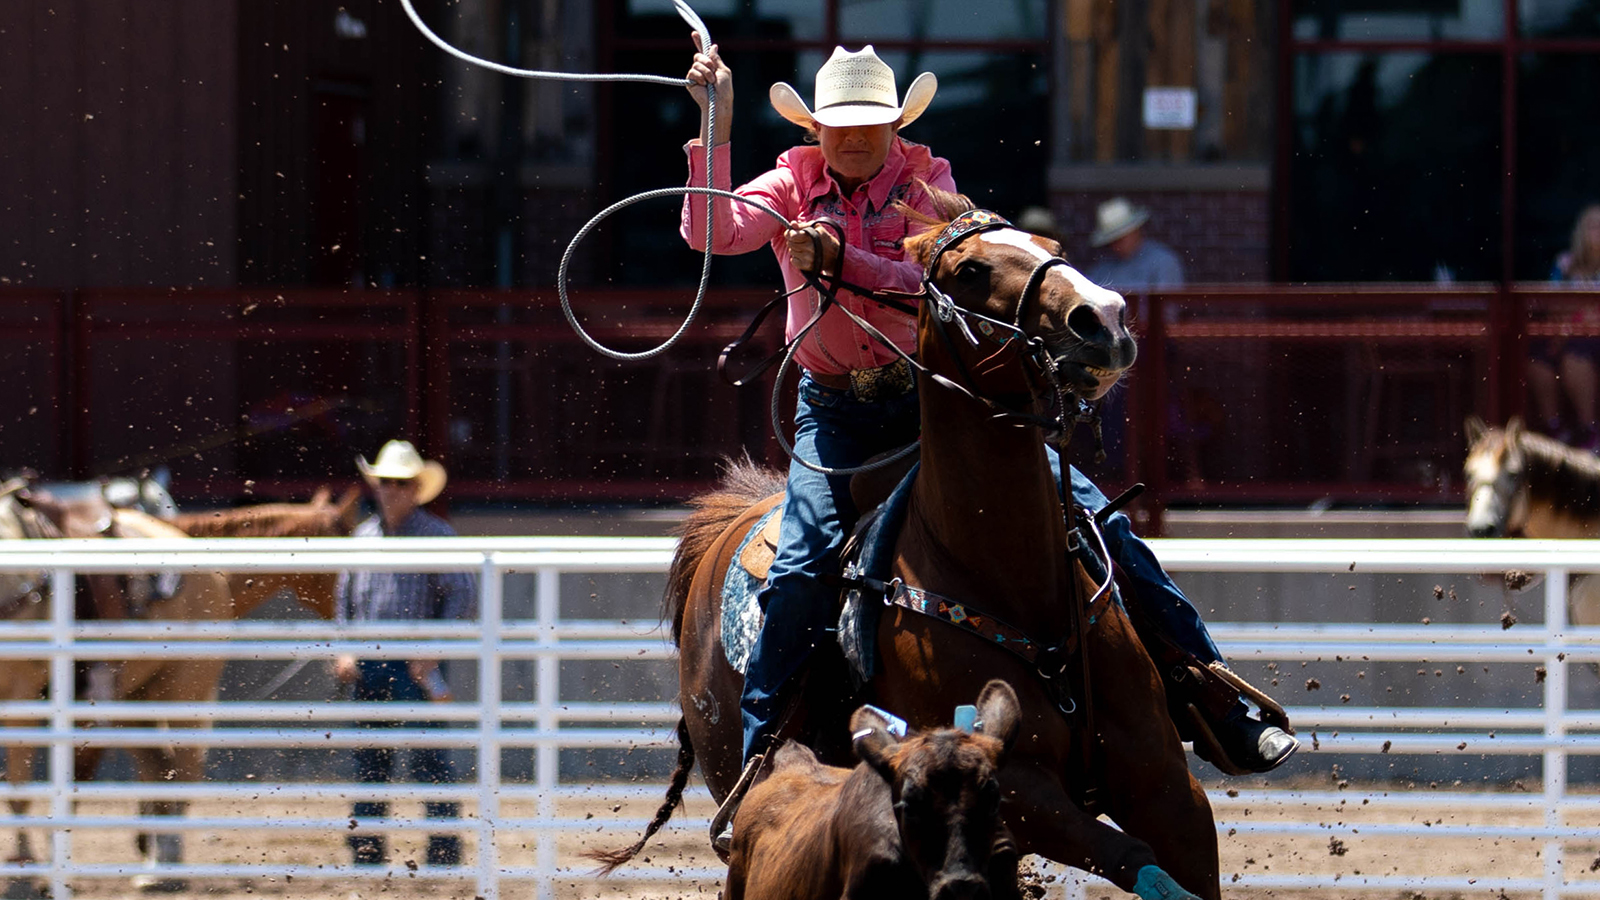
<point x="856" y="397"/>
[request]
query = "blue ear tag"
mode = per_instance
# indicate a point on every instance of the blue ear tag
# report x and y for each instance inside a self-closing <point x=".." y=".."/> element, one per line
<point x="966" y="718"/>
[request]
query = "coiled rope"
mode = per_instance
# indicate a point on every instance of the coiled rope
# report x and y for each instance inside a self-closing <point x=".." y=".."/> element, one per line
<point x="698" y="26"/>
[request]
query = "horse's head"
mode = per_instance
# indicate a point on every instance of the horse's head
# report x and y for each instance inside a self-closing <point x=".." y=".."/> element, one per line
<point x="1009" y="288"/>
<point x="338" y="516"/>
<point x="946" y="790"/>
<point x="21" y="593"/>
<point x="1497" y="502"/>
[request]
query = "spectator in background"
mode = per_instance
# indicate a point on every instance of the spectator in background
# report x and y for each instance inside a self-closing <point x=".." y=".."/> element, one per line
<point x="1138" y="263"/>
<point x="1564" y="368"/>
<point x="402" y="482"/>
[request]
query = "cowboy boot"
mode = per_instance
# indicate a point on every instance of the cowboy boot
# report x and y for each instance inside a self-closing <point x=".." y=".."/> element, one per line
<point x="1204" y="702"/>
<point x="1249" y="744"/>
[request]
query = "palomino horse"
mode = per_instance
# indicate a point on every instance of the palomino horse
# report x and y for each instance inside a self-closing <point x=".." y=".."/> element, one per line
<point x="1522" y="484"/>
<point x="202" y="596"/>
<point x="985" y="526"/>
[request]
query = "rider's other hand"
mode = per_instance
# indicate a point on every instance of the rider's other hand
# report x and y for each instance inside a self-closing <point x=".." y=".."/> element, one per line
<point x="803" y="250"/>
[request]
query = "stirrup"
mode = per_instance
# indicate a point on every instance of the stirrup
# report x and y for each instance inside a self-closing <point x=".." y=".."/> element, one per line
<point x="1271" y="711"/>
<point x="722" y="823"/>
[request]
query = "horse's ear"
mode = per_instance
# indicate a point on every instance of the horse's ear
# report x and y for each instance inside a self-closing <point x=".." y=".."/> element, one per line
<point x="999" y="713"/>
<point x="347" y="507"/>
<point x="1514" y="428"/>
<point x="1476" y="429"/>
<point x="321" y="497"/>
<point x="873" y="742"/>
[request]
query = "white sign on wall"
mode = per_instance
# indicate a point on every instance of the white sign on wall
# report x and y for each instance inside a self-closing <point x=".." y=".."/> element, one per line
<point x="1170" y="108"/>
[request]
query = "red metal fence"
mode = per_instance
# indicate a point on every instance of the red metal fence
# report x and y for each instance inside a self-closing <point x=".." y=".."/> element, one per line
<point x="1256" y="394"/>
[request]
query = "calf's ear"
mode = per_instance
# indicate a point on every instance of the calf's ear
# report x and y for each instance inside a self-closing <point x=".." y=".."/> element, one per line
<point x="873" y="742"/>
<point x="999" y="713"/>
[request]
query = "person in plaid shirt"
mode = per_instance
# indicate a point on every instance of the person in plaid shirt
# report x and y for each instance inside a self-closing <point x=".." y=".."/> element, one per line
<point x="402" y="482"/>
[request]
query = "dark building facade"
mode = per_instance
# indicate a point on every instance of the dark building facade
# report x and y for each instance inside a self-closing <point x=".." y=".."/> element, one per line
<point x="312" y="143"/>
<point x="353" y="235"/>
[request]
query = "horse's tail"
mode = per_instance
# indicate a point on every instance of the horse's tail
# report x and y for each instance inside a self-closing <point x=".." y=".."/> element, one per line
<point x="610" y="859"/>
<point x="744" y="483"/>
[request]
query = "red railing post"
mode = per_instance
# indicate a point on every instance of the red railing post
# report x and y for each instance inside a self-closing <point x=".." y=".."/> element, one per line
<point x="1154" y="417"/>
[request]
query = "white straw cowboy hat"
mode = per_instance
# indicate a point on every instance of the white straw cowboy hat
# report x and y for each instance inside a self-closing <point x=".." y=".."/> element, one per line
<point x="1115" y="218"/>
<point x="855" y="89"/>
<point x="398" y="459"/>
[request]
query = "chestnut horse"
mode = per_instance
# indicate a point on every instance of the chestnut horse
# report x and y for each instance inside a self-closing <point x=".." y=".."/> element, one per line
<point x="985" y="526"/>
<point x="1521" y="484"/>
<point x="202" y="596"/>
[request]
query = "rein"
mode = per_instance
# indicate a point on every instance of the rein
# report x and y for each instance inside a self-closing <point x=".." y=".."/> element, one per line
<point x="827" y="287"/>
<point x="945" y="311"/>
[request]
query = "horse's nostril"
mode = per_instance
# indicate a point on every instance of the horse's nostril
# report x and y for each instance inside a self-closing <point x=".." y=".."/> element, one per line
<point x="1086" y="324"/>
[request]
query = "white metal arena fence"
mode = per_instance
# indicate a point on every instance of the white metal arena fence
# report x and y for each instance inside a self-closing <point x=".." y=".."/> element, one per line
<point x="1546" y="729"/>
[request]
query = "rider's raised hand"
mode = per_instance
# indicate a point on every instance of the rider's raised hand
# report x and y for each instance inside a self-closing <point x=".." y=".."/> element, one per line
<point x="708" y="68"/>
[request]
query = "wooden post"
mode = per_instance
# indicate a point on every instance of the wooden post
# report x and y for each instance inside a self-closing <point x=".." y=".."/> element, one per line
<point x="1107" y="63"/>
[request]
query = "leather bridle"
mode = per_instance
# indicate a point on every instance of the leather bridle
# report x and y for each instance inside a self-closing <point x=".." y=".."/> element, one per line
<point x="1039" y="369"/>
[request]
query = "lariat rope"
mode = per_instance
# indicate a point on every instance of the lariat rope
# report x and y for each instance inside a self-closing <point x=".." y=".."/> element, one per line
<point x="825" y="295"/>
<point x="699" y="27"/>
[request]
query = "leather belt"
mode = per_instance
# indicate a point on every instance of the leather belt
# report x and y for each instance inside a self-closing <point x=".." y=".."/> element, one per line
<point x="830" y="380"/>
<point x="870" y="385"/>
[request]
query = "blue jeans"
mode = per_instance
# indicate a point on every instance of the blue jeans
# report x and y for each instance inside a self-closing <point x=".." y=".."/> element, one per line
<point x="390" y="680"/>
<point x="1153" y="589"/>
<point x="834" y="430"/>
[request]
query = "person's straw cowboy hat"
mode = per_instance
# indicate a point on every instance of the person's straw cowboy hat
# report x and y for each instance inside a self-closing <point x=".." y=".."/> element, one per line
<point x="855" y="89"/>
<point x="398" y="459"/>
<point x="1115" y="218"/>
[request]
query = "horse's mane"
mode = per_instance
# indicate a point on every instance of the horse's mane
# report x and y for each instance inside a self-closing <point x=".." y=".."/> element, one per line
<point x="946" y="206"/>
<point x="1565" y="476"/>
<point x="743" y="484"/>
<point x="265" y="520"/>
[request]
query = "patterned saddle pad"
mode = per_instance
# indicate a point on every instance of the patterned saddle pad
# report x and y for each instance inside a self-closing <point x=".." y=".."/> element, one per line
<point x="741" y="614"/>
<point x="871" y="548"/>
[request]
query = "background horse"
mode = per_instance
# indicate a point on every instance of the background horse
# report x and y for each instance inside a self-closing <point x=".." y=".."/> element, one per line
<point x="201" y="596"/>
<point x="1522" y="484"/>
<point x="985" y="526"/>
<point x="320" y="517"/>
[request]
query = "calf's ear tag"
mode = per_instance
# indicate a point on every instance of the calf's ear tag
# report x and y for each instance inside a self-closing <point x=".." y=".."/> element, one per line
<point x="966" y="718"/>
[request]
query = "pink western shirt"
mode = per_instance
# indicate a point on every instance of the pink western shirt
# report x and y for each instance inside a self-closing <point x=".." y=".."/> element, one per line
<point x="801" y="189"/>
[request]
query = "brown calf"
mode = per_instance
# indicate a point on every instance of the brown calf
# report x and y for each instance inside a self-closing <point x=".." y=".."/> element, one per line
<point x="918" y="818"/>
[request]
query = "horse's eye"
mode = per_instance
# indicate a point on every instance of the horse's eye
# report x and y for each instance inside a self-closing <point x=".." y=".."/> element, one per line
<point x="969" y="272"/>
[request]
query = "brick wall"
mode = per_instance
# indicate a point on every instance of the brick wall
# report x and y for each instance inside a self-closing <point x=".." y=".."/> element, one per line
<point x="1220" y="235"/>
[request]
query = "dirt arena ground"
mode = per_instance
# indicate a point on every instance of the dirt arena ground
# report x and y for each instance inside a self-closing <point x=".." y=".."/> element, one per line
<point x="1338" y="857"/>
